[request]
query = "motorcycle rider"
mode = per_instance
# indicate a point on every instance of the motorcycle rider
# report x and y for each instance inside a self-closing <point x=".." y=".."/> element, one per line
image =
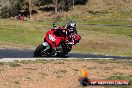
<point x="72" y="33"/>
<point x="58" y="41"/>
<point x="71" y="27"/>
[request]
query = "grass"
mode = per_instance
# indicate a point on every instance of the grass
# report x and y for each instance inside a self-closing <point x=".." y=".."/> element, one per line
<point x="11" y="64"/>
<point x="33" y="62"/>
<point x="2" y="63"/>
<point x="25" y="61"/>
<point x="121" y="61"/>
<point x="108" y="40"/>
<point x="120" y="31"/>
<point x="105" y="40"/>
<point x="59" y="62"/>
<point x="113" y="19"/>
<point x="14" y="64"/>
<point x="17" y="63"/>
<point x="20" y="35"/>
<point x="105" y="14"/>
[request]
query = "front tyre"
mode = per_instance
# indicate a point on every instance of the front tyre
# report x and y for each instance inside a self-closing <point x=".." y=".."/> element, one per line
<point x="39" y="51"/>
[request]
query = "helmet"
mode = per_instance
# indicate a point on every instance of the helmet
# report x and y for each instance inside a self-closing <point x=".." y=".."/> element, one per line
<point x="71" y="26"/>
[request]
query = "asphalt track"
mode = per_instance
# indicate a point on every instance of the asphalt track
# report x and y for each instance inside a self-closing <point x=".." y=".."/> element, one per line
<point x="14" y="53"/>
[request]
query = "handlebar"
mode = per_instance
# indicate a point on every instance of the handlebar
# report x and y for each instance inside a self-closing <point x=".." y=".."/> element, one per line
<point x="54" y="25"/>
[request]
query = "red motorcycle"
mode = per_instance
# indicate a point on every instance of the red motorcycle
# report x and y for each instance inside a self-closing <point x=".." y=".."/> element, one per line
<point x="56" y="43"/>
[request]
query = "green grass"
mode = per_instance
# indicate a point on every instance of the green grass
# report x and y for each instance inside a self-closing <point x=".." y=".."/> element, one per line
<point x="117" y="16"/>
<point x="20" y="35"/>
<point x="2" y="63"/>
<point x="14" y="64"/>
<point x="33" y="62"/>
<point x="106" y="20"/>
<point x="106" y="40"/>
<point x="121" y="31"/>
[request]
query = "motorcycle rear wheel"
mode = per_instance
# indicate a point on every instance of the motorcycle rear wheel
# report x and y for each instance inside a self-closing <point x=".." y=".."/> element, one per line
<point x="39" y="51"/>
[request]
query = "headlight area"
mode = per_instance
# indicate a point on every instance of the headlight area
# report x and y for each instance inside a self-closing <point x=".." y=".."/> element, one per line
<point x="52" y="38"/>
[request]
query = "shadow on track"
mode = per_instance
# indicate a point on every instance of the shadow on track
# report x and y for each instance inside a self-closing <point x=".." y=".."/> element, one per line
<point x="12" y="53"/>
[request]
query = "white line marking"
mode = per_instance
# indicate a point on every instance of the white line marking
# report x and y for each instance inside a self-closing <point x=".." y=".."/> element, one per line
<point x="19" y="59"/>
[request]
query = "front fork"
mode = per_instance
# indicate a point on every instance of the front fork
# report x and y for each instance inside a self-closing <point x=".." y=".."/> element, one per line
<point x="46" y="45"/>
<point x="54" y="50"/>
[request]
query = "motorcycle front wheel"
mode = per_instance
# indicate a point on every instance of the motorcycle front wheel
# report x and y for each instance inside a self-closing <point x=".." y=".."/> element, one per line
<point x="39" y="52"/>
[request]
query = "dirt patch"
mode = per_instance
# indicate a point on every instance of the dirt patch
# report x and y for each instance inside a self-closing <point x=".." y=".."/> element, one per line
<point x="59" y="73"/>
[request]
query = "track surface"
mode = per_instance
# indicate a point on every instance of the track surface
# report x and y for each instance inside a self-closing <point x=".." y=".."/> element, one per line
<point x="12" y="53"/>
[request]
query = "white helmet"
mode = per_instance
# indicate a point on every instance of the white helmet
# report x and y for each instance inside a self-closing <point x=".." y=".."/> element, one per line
<point x="72" y="24"/>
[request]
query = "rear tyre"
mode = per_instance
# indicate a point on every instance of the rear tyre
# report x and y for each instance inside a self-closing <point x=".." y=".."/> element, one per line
<point x="39" y="51"/>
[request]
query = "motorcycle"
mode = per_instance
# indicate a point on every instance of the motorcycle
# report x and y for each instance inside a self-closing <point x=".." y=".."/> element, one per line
<point x="55" y="43"/>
